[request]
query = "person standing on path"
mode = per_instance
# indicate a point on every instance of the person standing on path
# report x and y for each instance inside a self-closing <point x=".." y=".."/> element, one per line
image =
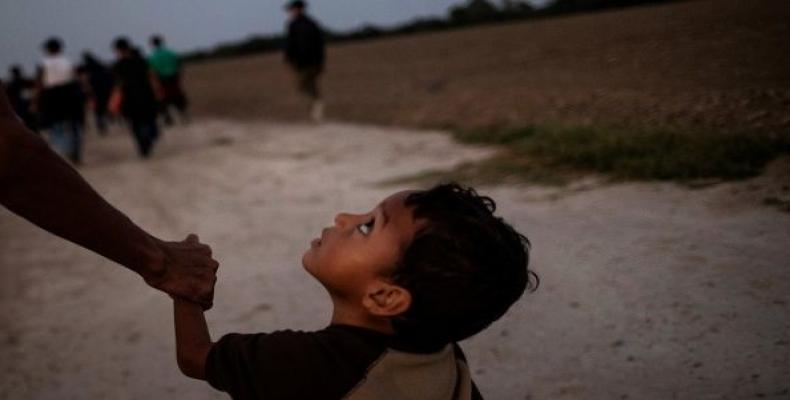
<point x="36" y="184"/>
<point x="60" y="101"/>
<point x="134" y="84"/>
<point x="167" y="68"/>
<point x="304" y="52"/>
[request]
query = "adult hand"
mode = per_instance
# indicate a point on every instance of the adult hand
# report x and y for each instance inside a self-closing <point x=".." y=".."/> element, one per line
<point x="189" y="272"/>
<point x="39" y="186"/>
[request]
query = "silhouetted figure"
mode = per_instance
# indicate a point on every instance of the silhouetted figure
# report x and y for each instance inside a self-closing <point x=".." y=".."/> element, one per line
<point x="167" y="68"/>
<point x="304" y="52"/>
<point x="61" y="101"/>
<point x="99" y="80"/>
<point x="138" y="104"/>
<point x="20" y="90"/>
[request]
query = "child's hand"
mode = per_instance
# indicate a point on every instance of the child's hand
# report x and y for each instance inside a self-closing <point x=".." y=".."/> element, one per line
<point x="187" y="271"/>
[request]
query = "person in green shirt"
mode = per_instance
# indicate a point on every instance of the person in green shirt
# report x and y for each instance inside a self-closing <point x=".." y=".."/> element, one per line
<point x="167" y="69"/>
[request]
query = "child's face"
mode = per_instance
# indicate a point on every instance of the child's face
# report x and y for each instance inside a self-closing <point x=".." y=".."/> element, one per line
<point x="361" y="248"/>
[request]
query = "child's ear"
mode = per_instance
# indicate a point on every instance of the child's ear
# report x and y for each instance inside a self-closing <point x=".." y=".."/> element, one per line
<point x="384" y="299"/>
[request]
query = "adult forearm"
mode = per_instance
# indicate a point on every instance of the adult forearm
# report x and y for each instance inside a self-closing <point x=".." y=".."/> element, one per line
<point x="36" y="184"/>
<point x="193" y="341"/>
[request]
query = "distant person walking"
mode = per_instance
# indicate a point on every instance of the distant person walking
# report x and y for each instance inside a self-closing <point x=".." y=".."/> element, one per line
<point x="304" y="52"/>
<point x="60" y="101"/>
<point x="167" y="68"/>
<point x="20" y="90"/>
<point x="100" y="83"/>
<point x="134" y="91"/>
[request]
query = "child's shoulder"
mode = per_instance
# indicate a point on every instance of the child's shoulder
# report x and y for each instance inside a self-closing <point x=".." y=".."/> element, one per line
<point x="339" y="361"/>
<point x="335" y="359"/>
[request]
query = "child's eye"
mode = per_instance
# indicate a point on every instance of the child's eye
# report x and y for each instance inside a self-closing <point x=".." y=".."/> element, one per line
<point x="366" y="227"/>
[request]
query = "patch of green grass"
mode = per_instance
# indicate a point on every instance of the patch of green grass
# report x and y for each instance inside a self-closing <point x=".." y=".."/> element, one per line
<point x="503" y="168"/>
<point x="648" y="154"/>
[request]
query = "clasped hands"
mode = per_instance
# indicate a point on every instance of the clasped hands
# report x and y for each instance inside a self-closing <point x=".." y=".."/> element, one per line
<point x="184" y="270"/>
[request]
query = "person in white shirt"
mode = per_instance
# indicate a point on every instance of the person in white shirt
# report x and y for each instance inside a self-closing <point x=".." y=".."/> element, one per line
<point x="60" y="101"/>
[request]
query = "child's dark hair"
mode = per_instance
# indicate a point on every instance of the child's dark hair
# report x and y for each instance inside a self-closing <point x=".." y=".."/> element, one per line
<point x="463" y="270"/>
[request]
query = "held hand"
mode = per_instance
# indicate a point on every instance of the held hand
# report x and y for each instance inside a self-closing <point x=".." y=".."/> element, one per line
<point x="189" y="271"/>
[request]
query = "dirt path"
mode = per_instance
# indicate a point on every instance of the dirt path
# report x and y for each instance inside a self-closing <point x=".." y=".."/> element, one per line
<point x="650" y="291"/>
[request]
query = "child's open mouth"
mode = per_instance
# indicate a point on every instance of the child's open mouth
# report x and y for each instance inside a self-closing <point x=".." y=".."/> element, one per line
<point x="317" y="241"/>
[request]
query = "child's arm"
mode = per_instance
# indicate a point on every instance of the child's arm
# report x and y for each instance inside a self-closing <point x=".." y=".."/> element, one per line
<point x="193" y="341"/>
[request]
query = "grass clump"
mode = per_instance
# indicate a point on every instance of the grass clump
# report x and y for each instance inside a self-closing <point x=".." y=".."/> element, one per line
<point x="655" y="154"/>
<point x="501" y="169"/>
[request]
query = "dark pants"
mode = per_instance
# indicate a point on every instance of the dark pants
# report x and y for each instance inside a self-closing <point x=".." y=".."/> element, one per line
<point x="66" y="137"/>
<point x="173" y="93"/>
<point x="100" y="118"/>
<point x="173" y="96"/>
<point x="308" y="80"/>
<point x="145" y="134"/>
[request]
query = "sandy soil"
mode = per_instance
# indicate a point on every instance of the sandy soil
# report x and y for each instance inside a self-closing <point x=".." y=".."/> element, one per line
<point x="718" y="65"/>
<point x="650" y="291"/>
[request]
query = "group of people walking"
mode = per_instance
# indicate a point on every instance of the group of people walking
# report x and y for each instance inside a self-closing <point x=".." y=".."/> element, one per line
<point x="136" y="88"/>
<point x="140" y="89"/>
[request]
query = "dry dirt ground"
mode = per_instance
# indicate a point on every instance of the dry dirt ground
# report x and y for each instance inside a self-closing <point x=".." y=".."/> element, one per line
<point x="715" y="64"/>
<point x="649" y="291"/>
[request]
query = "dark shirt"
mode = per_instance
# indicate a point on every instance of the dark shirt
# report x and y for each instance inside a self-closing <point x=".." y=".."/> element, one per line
<point x="304" y="44"/>
<point x="337" y="362"/>
<point x="61" y="103"/>
<point x="138" y="101"/>
<point x="101" y="81"/>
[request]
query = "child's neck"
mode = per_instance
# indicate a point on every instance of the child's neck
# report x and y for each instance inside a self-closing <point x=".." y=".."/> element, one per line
<point x="345" y="314"/>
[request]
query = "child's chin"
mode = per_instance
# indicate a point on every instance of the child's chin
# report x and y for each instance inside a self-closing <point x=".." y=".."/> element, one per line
<point x="306" y="259"/>
<point x="308" y="268"/>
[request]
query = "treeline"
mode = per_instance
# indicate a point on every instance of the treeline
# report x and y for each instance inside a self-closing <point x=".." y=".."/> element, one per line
<point x="472" y="12"/>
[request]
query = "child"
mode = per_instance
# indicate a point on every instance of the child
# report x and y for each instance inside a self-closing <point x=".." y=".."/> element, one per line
<point x="407" y="280"/>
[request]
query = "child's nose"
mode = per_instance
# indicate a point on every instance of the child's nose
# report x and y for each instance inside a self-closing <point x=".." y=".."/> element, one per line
<point x="342" y="219"/>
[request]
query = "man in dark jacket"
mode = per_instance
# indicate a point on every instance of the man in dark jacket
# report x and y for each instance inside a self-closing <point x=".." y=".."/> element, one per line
<point x="134" y="79"/>
<point x="304" y="52"/>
